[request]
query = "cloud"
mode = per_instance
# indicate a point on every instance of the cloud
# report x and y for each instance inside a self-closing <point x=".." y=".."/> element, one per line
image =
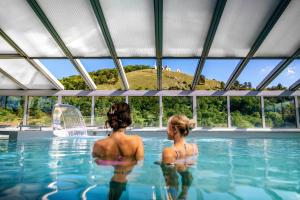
<point x="290" y="71"/>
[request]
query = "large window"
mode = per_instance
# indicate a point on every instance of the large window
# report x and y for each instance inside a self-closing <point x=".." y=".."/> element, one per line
<point x="145" y="111"/>
<point x="102" y="104"/>
<point x="84" y="104"/>
<point x="280" y="112"/>
<point x="299" y="109"/>
<point x="40" y="110"/>
<point x="212" y="112"/>
<point x="175" y="106"/>
<point x="11" y="110"/>
<point x="245" y="112"/>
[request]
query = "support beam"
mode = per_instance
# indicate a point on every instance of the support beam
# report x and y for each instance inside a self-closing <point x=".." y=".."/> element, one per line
<point x="261" y="37"/>
<point x="295" y="86"/>
<point x="250" y="93"/>
<point x="262" y="107"/>
<point x="158" y="20"/>
<point x="228" y="113"/>
<point x="195" y="110"/>
<point x="209" y="39"/>
<point x="59" y="99"/>
<point x="277" y="70"/>
<point x="43" y="18"/>
<point x="25" y="112"/>
<point x="297" y="112"/>
<point x="47" y="74"/>
<point x="93" y="111"/>
<point x="7" y="75"/>
<point x="109" y="42"/>
<point x="10" y="56"/>
<point x="160" y="112"/>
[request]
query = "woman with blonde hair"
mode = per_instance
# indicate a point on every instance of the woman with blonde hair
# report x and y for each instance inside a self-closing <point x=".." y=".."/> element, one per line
<point x="179" y="127"/>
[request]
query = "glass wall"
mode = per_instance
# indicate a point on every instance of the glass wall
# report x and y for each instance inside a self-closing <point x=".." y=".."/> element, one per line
<point x="177" y="105"/>
<point x="212" y="112"/>
<point x="145" y="111"/>
<point x="40" y="110"/>
<point x="299" y="109"/>
<point x="102" y="105"/>
<point x="280" y="112"/>
<point x="11" y="111"/>
<point x="84" y="104"/>
<point x="245" y="112"/>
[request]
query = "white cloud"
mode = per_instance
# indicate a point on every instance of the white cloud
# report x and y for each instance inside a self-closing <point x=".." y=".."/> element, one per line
<point x="291" y="71"/>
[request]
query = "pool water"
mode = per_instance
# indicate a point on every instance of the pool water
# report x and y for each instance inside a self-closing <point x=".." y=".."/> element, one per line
<point x="62" y="168"/>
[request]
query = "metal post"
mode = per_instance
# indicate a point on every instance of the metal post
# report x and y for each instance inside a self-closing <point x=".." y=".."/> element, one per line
<point x="93" y="111"/>
<point x="25" y="114"/>
<point x="126" y="99"/>
<point x="195" y="110"/>
<point x="160" y="112"/>
<point x="297" y="112"/>
<point x="228" y="112"/>
<point x="59" y="99"/>
<point x="262" y="107"/>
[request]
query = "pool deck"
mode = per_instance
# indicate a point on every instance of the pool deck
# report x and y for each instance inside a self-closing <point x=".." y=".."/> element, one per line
<point x="260" y="133"/>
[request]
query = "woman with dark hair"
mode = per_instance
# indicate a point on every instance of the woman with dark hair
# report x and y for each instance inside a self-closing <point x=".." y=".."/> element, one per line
<point x="118" y="149"/>
<point x="119" y="146"/>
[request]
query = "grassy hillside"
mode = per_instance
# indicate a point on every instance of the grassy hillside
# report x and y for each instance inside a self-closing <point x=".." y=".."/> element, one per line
<point x="147" y="79"/>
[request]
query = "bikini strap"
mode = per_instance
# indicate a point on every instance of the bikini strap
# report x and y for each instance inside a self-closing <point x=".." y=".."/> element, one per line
<point x="177" y="153"/>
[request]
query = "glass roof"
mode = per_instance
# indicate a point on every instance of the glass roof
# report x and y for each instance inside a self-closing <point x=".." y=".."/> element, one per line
<point x="133" y="26"/>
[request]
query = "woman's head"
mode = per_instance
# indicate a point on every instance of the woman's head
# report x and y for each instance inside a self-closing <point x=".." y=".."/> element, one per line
<point x="179" y="125"/>
<point x="119" y="116"/>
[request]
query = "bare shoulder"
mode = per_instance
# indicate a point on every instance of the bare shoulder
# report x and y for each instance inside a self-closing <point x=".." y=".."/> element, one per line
<point x="168" y="152"/>
<point x="136" y="138"/>
<point x="99" y="146"/>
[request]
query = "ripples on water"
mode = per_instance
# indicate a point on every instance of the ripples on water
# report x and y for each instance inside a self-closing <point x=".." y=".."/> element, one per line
<point x="226" y="169"/>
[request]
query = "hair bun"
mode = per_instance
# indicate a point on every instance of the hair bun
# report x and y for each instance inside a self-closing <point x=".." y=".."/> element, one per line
<point x="192" y="124"/>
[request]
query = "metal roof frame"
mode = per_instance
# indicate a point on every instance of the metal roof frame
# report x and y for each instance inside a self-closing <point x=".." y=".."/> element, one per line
<point x="295" y="85"/>
<point x="158" y="22"/>
<point x="209" y="39"/>
<point x="13" y="79"/>
<point x="277" y="70"/>
<point x="259" y="40"/>
<point x="108" y="40"/>
<point x="47" y="24"/>
<point x="22" y="54"/>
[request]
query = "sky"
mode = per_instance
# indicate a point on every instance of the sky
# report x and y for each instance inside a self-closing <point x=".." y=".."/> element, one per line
<point x="218" y="69"/>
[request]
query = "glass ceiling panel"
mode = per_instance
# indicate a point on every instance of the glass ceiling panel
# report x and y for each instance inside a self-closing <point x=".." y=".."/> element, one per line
<point x="255" y="71"/>
<point x="185" y="26"/>
<point x="284" y="39"/>
<point x="131" y="25"/>
<point x="20" y="23"/>
<point x="77" y="26"/>
<point x="287" y="77"/>
<point x="6" y="83"/>
<point x="25" y="73"/>
<point x="240" y="25"/>
<point x="216" y="73"/>
<point x="5" y="48"/>
<point x="103" y="72"/>
<point x="141" y="73"/>
<point x="178" y="74"/>
<point x="65" y="72"/>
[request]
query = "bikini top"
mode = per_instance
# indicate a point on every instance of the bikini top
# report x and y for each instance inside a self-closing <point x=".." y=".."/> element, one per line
<point x="185" y="149"/>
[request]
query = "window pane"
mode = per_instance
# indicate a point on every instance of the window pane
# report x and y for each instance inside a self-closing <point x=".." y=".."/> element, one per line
<point x="145" y="111"/>
<point x="287" y="77"/>
<point x="102" y="105"/>
<point x="84" y="104"/>
<point x="178" y="74"/>
<point x="212" y="112"/>
<point x="40" y="110"/>
<point x="141" y="73"/>
<point x="280" y="112"/>
<point x="11" y="110"/>
<point x="65" y="72"/>
<point x="245" y="112"/>
<point x="104" y="73"/>
<point x="175" y="106"/>
<point x="215" y="73"/>
<point x="299" y="108"/>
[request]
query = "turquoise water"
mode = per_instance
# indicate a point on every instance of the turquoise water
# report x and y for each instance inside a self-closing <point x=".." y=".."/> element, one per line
<point x="240" y="169"/>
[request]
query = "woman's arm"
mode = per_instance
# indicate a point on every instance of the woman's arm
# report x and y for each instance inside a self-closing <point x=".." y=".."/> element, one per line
<point x="168" y="156"/>
<point x="140" y="150"/>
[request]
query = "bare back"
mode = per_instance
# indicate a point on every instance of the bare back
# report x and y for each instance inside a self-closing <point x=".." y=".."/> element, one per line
<point x="119" y="146"/>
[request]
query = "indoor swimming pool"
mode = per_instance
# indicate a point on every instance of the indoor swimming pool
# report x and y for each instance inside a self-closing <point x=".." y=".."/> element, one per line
<point x="63" y="168"/>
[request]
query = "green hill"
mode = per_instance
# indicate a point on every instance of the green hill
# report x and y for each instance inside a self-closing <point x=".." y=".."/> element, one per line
<point x="139" y="78"/>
